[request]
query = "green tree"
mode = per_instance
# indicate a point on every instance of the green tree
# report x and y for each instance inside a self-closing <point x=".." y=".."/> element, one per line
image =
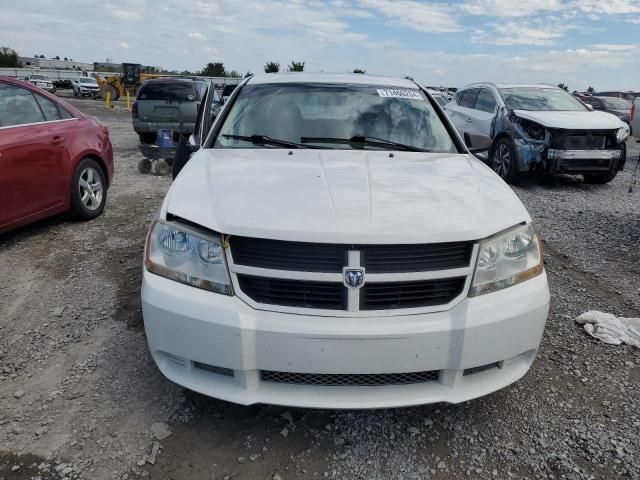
<point x="234" y="74"/>
<point x="358" y="70"/>
<point x="57" y="57"/>
<point x="9" y="58"/>
<point x="563" y="87"/>
<point x="272" y="67"/>
<point x="66" y="59"/>
<point x="296" y="66"/>
<point x="591" y="90"/>
<point x="215" y="69"/>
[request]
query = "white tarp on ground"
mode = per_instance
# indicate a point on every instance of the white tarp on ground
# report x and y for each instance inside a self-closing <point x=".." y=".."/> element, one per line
<point x="611" y="329"/>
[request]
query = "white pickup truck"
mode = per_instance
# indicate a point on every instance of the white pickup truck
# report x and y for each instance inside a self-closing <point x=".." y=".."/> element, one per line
<point x="42" y="81"/>
<point x="635" y="118"/>
<point x="334" y="244"/>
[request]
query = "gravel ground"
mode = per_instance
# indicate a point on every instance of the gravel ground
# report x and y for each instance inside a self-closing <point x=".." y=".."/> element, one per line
<point x="80" y="396"/>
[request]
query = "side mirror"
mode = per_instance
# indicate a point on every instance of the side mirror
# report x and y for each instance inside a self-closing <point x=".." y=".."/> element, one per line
<point x="477" y="143"/>
<point x="589" y="106"/>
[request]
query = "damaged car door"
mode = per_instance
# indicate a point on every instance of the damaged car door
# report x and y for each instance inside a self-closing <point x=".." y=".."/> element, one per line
<point x="461" y="108"/>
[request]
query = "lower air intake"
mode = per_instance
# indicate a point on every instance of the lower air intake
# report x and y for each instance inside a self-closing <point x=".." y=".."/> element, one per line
<point x="349" y="379"/>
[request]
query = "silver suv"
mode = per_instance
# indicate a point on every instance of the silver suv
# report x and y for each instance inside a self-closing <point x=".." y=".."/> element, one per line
<point x="541" y="128"/>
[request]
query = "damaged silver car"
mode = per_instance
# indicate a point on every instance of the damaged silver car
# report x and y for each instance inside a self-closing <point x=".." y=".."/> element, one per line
<point x="541" y="128"/>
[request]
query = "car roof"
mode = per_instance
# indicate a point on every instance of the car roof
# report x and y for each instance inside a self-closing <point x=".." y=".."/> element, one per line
<point x="168" y="80"/>
<point x="511" y="85"/>
<point x="344" y="78"/>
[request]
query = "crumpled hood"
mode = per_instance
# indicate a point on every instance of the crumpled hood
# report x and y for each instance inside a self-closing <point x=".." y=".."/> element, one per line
<point x="337" y="196"/>
<point x="587" y="120"/>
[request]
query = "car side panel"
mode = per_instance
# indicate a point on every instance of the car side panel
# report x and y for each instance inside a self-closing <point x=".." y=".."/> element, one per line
<point x="33" y="167"/>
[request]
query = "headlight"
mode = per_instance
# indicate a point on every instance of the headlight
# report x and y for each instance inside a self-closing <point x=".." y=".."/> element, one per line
<point x="507" y="259"/>
<point x="533" y="130"/>
<point x="187" y="256"/>
<point x="623" y="133"/>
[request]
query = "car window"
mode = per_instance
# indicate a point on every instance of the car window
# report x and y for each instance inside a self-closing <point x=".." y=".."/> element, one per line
<point x="64" y="115"/>
<point x="485" y="101"/>
<point x="18" y="106"/>
<point x="594" y="102"/>
<point x="228" y="90"/>
<point x="617" y="103"/>
<point x="468" y="98"/>
<point x="441" y="99"/>
<point x="49" y="108"/>
<point x="537" y="99"/>
<point x="308" y="112"/>
<point x="179" y="90"/>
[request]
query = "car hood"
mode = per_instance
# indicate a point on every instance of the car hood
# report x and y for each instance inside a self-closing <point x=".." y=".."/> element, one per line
<point x="573" y="120"/>
<point x="333" y="196"/>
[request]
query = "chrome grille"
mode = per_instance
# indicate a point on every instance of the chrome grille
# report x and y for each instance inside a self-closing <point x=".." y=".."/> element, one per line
<point x="349" y="379"/>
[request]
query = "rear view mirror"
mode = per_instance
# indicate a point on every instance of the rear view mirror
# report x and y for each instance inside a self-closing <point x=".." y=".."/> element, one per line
<point x="477" y="143"/>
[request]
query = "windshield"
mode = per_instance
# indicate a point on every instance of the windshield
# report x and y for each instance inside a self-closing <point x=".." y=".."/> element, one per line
<point x="616" y="103"/>
<point x="88" y="80"/>
<point x="540" y="99"/>
<point x="39" y="77"/>
<point x="316" y="114"/>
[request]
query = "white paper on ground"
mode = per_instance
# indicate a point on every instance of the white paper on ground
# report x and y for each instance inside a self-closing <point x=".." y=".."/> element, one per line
<point x="611" y="329"/>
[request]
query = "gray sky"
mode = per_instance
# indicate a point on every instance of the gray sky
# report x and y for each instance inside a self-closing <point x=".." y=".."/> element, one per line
<point x="578" y="42"/>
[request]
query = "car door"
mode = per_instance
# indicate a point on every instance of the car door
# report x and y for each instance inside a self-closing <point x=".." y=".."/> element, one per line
<point x="460" y="109"/>
<point x="32" y="155"/>
<point x="482" y="114"/>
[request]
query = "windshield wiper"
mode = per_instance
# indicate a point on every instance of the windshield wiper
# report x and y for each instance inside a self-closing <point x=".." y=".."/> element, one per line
<point x="264" y="140"/>
<point x="361" y="140"/>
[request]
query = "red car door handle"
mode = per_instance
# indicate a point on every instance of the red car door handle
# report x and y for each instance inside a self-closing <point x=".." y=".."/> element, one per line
<point x="57" y="140"/>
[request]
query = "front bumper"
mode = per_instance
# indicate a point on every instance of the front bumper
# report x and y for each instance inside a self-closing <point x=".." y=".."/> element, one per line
<point x="538" y="157"/>
<point x="140" y="126"/>
<point x="187" y="328"/>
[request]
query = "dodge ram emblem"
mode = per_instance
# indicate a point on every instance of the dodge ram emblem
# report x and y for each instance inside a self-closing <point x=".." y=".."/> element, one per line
<point x="353" y="277"/>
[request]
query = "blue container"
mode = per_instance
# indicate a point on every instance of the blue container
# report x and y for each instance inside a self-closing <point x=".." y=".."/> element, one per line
<point x="164" y="138"/>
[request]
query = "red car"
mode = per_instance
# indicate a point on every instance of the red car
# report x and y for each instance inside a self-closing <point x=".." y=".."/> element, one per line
<point x="53" y="158"/>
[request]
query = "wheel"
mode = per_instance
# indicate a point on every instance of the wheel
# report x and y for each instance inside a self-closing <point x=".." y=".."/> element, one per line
<point x="162" y="167"/>
<point x="504" y="160"/>
<point x="109" y="89"/>
<point x="89" y="190"/>
<point x="144" y="165"/>
<point x="600" y="178"/>
<point x="148" y="138"/>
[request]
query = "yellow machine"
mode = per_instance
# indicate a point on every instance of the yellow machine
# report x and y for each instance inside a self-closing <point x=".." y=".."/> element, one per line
<point x="118" y="85"/>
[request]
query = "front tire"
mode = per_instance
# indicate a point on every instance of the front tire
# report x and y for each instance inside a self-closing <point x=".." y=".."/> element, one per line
<point x="504" y="160"/>
<point x="88" y="190"/>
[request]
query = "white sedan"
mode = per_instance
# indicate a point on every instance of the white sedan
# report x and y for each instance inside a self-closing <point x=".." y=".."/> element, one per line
<point x="334" y="244"/>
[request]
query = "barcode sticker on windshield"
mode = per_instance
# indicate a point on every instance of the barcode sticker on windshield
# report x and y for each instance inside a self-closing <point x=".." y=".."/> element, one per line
<point x="392" y="93"/>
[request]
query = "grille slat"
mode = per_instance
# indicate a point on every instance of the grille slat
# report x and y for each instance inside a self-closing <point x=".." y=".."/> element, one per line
<point x="294" y="293"/>
<point x="416" y="258"/>
<point x="283" y="255"/>
<point x="320" y="257"/>
<point x="425" y="293"/>
<point x="348" y="379"/>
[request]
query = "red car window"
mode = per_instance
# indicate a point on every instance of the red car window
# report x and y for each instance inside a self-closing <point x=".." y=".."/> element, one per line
<point x="49" y="108"/>
<point x="18" y="106"/>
